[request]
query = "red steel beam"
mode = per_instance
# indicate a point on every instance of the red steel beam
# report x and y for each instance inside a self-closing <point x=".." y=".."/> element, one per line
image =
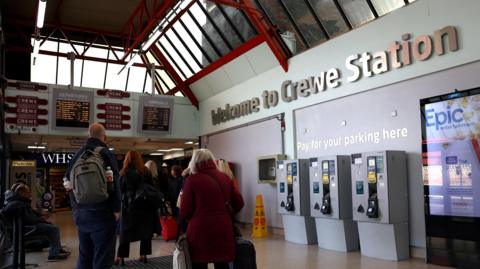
<point x="252" y="43"/>
<point x="263" y="27"/>
<point x="157" y="15"/>
<point x="178" y="80"/>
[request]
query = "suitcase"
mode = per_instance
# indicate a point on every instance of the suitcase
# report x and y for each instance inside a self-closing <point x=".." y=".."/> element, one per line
<point x="246" y="257"/>
<point x="169" y="228"/>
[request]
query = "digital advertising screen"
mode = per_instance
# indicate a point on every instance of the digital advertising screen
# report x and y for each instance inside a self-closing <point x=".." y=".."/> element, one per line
<point x="73" y="109"/>
<point x="451" y="154"/>
<point x="156" y="114"/>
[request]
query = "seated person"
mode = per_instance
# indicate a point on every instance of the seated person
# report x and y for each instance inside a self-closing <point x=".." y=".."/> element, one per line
<point x="18" y="201"/>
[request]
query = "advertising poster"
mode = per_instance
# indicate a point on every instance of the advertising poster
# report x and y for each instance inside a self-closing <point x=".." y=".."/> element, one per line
<point x="451" y="156"/>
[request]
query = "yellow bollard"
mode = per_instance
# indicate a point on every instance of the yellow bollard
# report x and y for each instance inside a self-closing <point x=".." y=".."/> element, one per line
<point x="259" y="221"/>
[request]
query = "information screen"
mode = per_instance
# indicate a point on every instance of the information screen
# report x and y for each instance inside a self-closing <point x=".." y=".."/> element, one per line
<point x="70" y="113"/>
<point x="451" y="154"/>
<point x="156" y="114"/>
<point x="73" y="109"/>
<point x="156" y="118"/>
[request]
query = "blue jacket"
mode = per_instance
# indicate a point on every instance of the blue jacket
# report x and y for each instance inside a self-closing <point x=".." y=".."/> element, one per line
<point x="113" y="202"/>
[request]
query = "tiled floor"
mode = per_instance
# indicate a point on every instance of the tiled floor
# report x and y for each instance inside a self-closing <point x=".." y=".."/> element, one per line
<point x="272" y="252"/>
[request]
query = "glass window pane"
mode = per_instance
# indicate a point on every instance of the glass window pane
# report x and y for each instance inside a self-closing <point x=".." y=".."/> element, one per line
<point x="305" y="21"/>
<point x="175" y="60"/>
<point x="240" y="22"/>
<point x="93" y="74"/>
<point x="208" y="28"/>
<point x="183" y="51"/>
<point x="136" y="79"/>
<point x="223" y="25"/>
<point x="190" y="43"/>
<point x="330" y="16"/>
<point x="287" y="31"/>
<point x="357" y="11"/>
<point x="45" y="68"/>
<point x="190" y="24"/>
<point x="148" y="85"/>
<point x="115" y="81"/>
<point x="166" y="79"/>
<point x="384" y="6"/>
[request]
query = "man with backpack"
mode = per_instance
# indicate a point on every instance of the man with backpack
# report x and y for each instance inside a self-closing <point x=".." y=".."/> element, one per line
<point x="95" y="198"/>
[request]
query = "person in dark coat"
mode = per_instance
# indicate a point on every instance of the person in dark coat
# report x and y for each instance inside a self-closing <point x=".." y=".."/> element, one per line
<point x="175" y="184"/>
<point x="18" y="203"/>
<point x="139" y="220"/>
<point x="208" y="201"/>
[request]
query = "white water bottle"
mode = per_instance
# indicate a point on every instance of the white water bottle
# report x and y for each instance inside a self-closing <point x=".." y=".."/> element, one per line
<point x="109" y="174"/>
<point x="109" y="178"/>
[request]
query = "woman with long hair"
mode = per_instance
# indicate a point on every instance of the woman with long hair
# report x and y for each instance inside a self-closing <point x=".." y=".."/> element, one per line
<point x="208" y="201"/>
<point x="139" y="221"/>
<point x="152" y="168"/>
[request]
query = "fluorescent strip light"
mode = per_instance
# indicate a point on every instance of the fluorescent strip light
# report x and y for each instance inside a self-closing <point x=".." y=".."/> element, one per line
<point x="36" y="147"/>
<point x="131" y="62"/>
<point x="156" y="154"/>
<point x="42" y="6"/>
<point x="163" y="150"/>
<point x="36" y="48"/>
<point x="189" y="143"/>
<point x="152" y="39"/>
<point x="176" y="149"/>
<point x="112" y="149"/>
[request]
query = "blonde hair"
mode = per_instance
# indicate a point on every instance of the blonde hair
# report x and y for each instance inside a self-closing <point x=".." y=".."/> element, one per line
<point x="225" y="168"/>
<point x="199" y="156"/>
<point x="152" y="167"/>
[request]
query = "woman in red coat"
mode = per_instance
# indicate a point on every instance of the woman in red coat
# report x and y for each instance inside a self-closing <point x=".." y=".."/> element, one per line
<point x="207" y="196"/>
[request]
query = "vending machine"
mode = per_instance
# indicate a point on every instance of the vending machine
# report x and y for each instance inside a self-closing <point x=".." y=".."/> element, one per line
<point x="380" y="203"/>
<point x="293" y="201"/>
<point x="331" y="203"/>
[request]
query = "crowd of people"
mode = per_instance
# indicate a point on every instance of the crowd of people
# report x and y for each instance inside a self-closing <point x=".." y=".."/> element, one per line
<point x="108" y="202"/>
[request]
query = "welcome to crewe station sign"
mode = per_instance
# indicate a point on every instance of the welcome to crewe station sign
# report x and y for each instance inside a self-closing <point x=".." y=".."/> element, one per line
<point x="397" y="55"/>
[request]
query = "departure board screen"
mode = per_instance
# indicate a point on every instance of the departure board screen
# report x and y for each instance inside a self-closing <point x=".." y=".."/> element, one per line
<point x="156" y="118"/>
<point x="73" y="109"/>
<point x="72" y="114"/>
<point x="156" y="114"/>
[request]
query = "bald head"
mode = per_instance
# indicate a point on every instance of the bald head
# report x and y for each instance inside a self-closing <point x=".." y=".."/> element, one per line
<point x="96" y="130"/>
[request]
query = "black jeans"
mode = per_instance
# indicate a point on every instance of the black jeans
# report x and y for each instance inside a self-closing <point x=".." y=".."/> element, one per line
<point x="124" y="248"/>
<point x="219" y="265"/>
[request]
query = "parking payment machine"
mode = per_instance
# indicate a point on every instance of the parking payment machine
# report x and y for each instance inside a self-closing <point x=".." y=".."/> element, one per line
<point x="293" y="201"/>
<point x="380" y="203"/>
<point x="331" y="203"/>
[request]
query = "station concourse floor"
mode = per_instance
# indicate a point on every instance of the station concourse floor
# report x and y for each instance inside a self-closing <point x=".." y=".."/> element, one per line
<point x="272" y="252"/>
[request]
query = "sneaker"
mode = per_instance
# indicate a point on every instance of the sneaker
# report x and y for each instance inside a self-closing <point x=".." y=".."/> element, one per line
<point x="64" y="251"/>
<point x="58" y="257"/>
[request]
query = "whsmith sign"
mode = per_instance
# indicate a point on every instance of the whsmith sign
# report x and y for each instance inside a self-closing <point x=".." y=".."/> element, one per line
<point x="397" y="55"/>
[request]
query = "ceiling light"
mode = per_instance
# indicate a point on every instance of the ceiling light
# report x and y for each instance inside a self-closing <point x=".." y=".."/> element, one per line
<point x="112" y="149"/>
<point x="36" y="147"/>
<point x="42" y="6"/>
<point x="132" y="60"/>
<point x="176" y="149"/>
<point x="189" y="143"/>
<point x="163" y="150"/>
<point x="152" y="39"/>
<point x="196" y="143"/>
<point x="156" y="154"/>
<point x="36" y="47"/>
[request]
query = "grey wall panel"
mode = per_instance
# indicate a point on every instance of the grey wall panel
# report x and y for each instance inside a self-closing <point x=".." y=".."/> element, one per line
<point x="371" y="112"/>
<point x="242" y="146"/>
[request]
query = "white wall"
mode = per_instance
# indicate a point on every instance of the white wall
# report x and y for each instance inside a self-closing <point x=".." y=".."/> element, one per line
<point x="420" y="18"/>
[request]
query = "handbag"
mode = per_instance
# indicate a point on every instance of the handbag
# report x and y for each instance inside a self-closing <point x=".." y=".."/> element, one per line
<point x="149" y="195"/>
<point x="181" y="254"/>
